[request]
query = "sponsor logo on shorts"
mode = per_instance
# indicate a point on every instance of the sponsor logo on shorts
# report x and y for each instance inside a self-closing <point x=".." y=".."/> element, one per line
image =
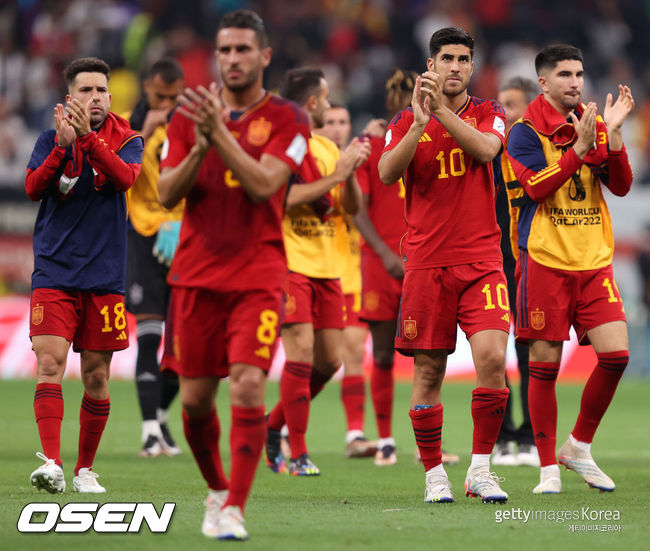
<point x="259" y="132"/>
<point x="410" y="329"/>
<point x="37" y="315"/>
<point x="82" y="517"/>
<point x="537" y="320"/>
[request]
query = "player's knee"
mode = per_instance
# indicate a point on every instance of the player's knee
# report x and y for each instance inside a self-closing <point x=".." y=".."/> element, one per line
<point x="430" y="376"/>
<point x="49" y="366"/>
<point x="384" y="356"/>
<point x="247" y="385"/>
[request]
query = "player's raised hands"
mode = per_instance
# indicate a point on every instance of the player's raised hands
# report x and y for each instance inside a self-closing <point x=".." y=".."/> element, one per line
<point x="376" y="128"/>
<point x="204" y="108"/>
<point x="585" y="129"/>
<point x="65" y="134"/>
<point x="79" y="116"/>
<point x="347" y="163"/>
<point x="614" y="115"/>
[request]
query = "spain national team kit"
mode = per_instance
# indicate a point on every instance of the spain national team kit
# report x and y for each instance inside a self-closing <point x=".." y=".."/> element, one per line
<point x="561" y="224"/>
<point x="230" y="266"/>
<point x="451" y="251"/>
<point x="80" y="236"/>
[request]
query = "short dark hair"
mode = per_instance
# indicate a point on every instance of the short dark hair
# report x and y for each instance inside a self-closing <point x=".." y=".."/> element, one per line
<point x="549" y="56"/>
<point x="246" y="19"/>
<point x="168" y="68"/>
<point x="298" y="84"/>
<point x="85" y="65"/>
<point x="450" y="35"/>
<point x="399" y="89"/>
<point x="527" y="86"/>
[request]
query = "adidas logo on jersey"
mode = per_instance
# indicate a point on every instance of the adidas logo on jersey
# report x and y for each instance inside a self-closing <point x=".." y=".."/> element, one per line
<point x="506" y="317"/>
<point x="424" y="138"/>
<point x="263" y="352"/>
<point x="121" y="337"/>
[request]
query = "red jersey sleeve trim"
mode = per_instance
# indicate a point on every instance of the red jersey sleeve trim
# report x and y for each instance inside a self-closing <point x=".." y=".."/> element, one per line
<point x="620" y="173"/>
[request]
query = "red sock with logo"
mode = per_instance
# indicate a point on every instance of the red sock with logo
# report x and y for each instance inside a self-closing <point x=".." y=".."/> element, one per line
<point x="427" y="428"/>
<point x="598" y="393"/>
<point x="202" y="435"/>
<point x="382" y="383"/>
<point x="92" y="420"/>
<point x="294" y="391"/>
<point x="48" y="410"/>
<point x="488" y="409"/>
<point x="353" y="396"/>
<point x="247" y="436"/>
<point x="543" y="408"/>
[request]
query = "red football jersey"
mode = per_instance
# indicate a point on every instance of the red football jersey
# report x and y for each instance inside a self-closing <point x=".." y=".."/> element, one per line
<point x="385" y="203"/>
<point x="228" y="242"/>
<point x="450" y="197"/>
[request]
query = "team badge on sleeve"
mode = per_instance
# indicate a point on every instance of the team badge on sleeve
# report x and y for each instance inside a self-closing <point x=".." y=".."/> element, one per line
<point x="499" y="126"/>
<point x="389" y="137"/>
<point x="297" y="149"/>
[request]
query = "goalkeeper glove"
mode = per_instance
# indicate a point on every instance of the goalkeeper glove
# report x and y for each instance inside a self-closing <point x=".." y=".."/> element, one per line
<point x="166" y="242"/>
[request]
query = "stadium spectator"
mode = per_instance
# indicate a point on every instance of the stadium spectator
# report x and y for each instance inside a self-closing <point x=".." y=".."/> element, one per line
<point x="338" y="127"/>
<point x="561" y="154"/>
<point x="514" y="95"/>
<point x="79" y="172"/>
<point x="445" y="145"/>
<point x="231" y="152"/>
<point x="316" y="239"/>
<point x="152" y="240"/>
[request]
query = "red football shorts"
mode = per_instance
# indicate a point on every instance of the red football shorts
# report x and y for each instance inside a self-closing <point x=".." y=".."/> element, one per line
<point x="550" y="301"/>
<point x="352" y="310"/>
<point x="316" y="301"/>
<point x="211" y="331"/>
<point x="381" y="291"/>
<point x="436" y="300"/>
<point x="89" y="321"/>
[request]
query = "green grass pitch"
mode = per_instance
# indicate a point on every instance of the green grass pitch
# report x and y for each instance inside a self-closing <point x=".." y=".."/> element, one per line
<point x="353" y="504"/>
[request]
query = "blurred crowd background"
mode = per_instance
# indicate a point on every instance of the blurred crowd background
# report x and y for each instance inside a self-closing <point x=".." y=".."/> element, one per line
<point x="356" y="42"/>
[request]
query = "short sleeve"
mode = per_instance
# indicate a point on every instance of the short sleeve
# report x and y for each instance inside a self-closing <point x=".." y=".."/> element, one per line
<point x="289" y="142"/>
<point x="397" y="127"/>
<point x="180" y="139"/>
<point x="493" y="120"/>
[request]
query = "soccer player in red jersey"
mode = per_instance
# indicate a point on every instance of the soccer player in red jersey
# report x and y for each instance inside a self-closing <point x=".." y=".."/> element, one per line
<point x="79" y="173"/>
<point x="316" y="241"/>
<point x="230" y="153"/>
<point x="337" y="126"/>
<point x="561" y="154"/>
<point x="444" y="146"/>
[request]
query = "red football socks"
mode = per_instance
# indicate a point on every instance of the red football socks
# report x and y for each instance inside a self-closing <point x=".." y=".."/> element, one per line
<point x="427" y="428"/>
<point x="48" y="410"/>
<point x="382" y="383"/>
<point x="295" y="398"/>
<point x="317" y="382"/>
<point x="202" y="434"/>
<point x="488" y="409"/>
<point x="353" y="396"/>
<point x="598" y="393"/>
<point x="543" y="408"/>
<point x="92" y="421"/>
<point x="246" y="442"/>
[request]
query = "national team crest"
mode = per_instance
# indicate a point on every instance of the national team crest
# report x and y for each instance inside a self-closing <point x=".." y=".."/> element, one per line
<point x="371" y="301"/>
<point x="410" y="329"/>
<point x="259" y="131"/>
<point x="37" y="315"/>
<point x="537" y="320"/>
